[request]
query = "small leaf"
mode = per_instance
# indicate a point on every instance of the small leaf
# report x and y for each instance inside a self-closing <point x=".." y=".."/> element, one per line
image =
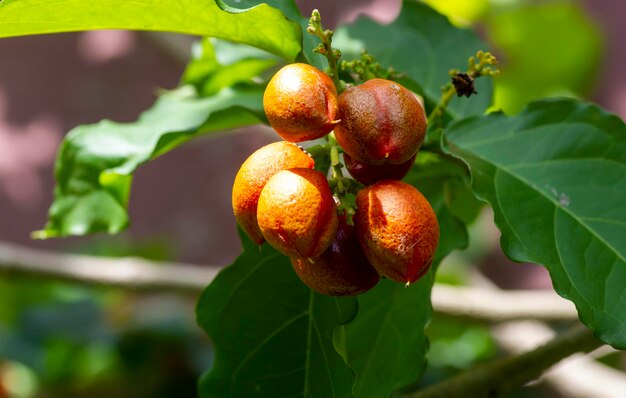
<point x="260" y="26"/>
<point x="556" y="177"/>
<point x="386" y="342"/>
<point x="218" y="64"/>
<point x="435" y="47"/>
<point x="273" y="336"/>
<point x="95" y="165"/>
<point x="321" y="155"/>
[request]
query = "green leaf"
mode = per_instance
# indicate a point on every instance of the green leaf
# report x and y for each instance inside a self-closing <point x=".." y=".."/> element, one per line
<point x="386" y="342"/>
<point x="387" y="345"/>
<point x="273" y="336"/>
<point x="95" y="164"/>
<point x="445" y="181"/>
<point x="241" y="71"/>
<point x="423" y="44"/>
<point x="218" y="64"/>
<point x="556" y="178"/>
<point x="261" y="26"/>
<point x="291" y="11"/>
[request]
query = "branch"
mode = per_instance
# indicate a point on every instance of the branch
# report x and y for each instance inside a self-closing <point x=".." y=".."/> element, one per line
<point x="498" y="376"/>
<point x="139" y="274"/>
<point x="498" y="305"/>
<point x="128" y="273"/>
<point x="579" y="376"/>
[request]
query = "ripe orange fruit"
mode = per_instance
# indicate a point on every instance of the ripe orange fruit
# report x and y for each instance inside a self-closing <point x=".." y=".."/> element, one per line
<point x="297" y="214"/>
<point x="300" y="103"/>
<point x="368" y="174"/>
<point x="342" y="270"/>
<point x="254" y="174"/>
<point x="381" y="122"/>
<point x="397" y="229"/>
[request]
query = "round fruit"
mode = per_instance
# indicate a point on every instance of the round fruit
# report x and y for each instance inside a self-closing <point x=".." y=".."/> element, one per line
<point x="300" y="103"/>
<point x="297" y="214"/>
<point x="342" y="270"/>
<point x="254" y="174"/>
<point x="397" y="229"/>
<point x="369" y="174"/>
<point x="381" y="122"/>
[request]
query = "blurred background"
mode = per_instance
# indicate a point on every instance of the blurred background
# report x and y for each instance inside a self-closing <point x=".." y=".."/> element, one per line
<point x="67" y="340"/>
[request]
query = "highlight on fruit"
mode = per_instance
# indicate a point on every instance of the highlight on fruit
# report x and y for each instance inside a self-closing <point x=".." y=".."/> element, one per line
<point x="381" y="122"/>
<point x="254" y="174"/>
<point x="397" y="229"/>
<point x="297" y="214"/>
<point x="300" y="103"/>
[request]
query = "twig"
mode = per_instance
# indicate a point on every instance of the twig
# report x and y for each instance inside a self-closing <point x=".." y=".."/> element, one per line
<point x="495" y="377"/>
<point x="325" y="48"/>
<point x="482" y="64"/>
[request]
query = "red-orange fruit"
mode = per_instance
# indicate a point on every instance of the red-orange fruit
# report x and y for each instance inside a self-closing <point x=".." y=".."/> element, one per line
<point x="300" y="103"/>
<point x="397" y="229"/>
<point x="297" y="214"/>
<point x="381" y="122"/>
<point x="368" y="174"/>
<point x="342" y="270"/>
<point x="254" y="174"/>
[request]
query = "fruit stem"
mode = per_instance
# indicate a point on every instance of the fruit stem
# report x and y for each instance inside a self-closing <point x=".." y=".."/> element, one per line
<point x="447" y="94"/>
<point x="335" y="163"/>
<point x="462" y="83"/>
<point x="344" y="188"/>
<point x="325" y="48"/>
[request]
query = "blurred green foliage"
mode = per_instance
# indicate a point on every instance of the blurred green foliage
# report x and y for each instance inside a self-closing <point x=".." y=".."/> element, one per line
<point x="546" y="48"/>
<point x="62" y="340"/>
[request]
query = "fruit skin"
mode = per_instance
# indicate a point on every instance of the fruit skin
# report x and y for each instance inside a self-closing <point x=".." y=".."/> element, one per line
<point x="342" y="270"/>
<point x="381" y="122"/>
<point x="368" y="174"/>
<point x="397" y="229"/>
<point x="300" y="103"/>
<point x="254" y="174"/>
<point x="297" y="214"/>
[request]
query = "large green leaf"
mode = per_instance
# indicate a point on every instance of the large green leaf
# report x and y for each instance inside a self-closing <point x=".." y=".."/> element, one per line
<point x="261" y="26"/>
<point x="273" y="336"/>
<point x="556" y="178"/>
<point x="386" y="342"/>
<point x="423" y="44"/>
<point x="95" y="164"/>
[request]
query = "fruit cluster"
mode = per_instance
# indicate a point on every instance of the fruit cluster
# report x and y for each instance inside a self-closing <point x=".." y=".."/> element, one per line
<point x="278" y="197"/>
